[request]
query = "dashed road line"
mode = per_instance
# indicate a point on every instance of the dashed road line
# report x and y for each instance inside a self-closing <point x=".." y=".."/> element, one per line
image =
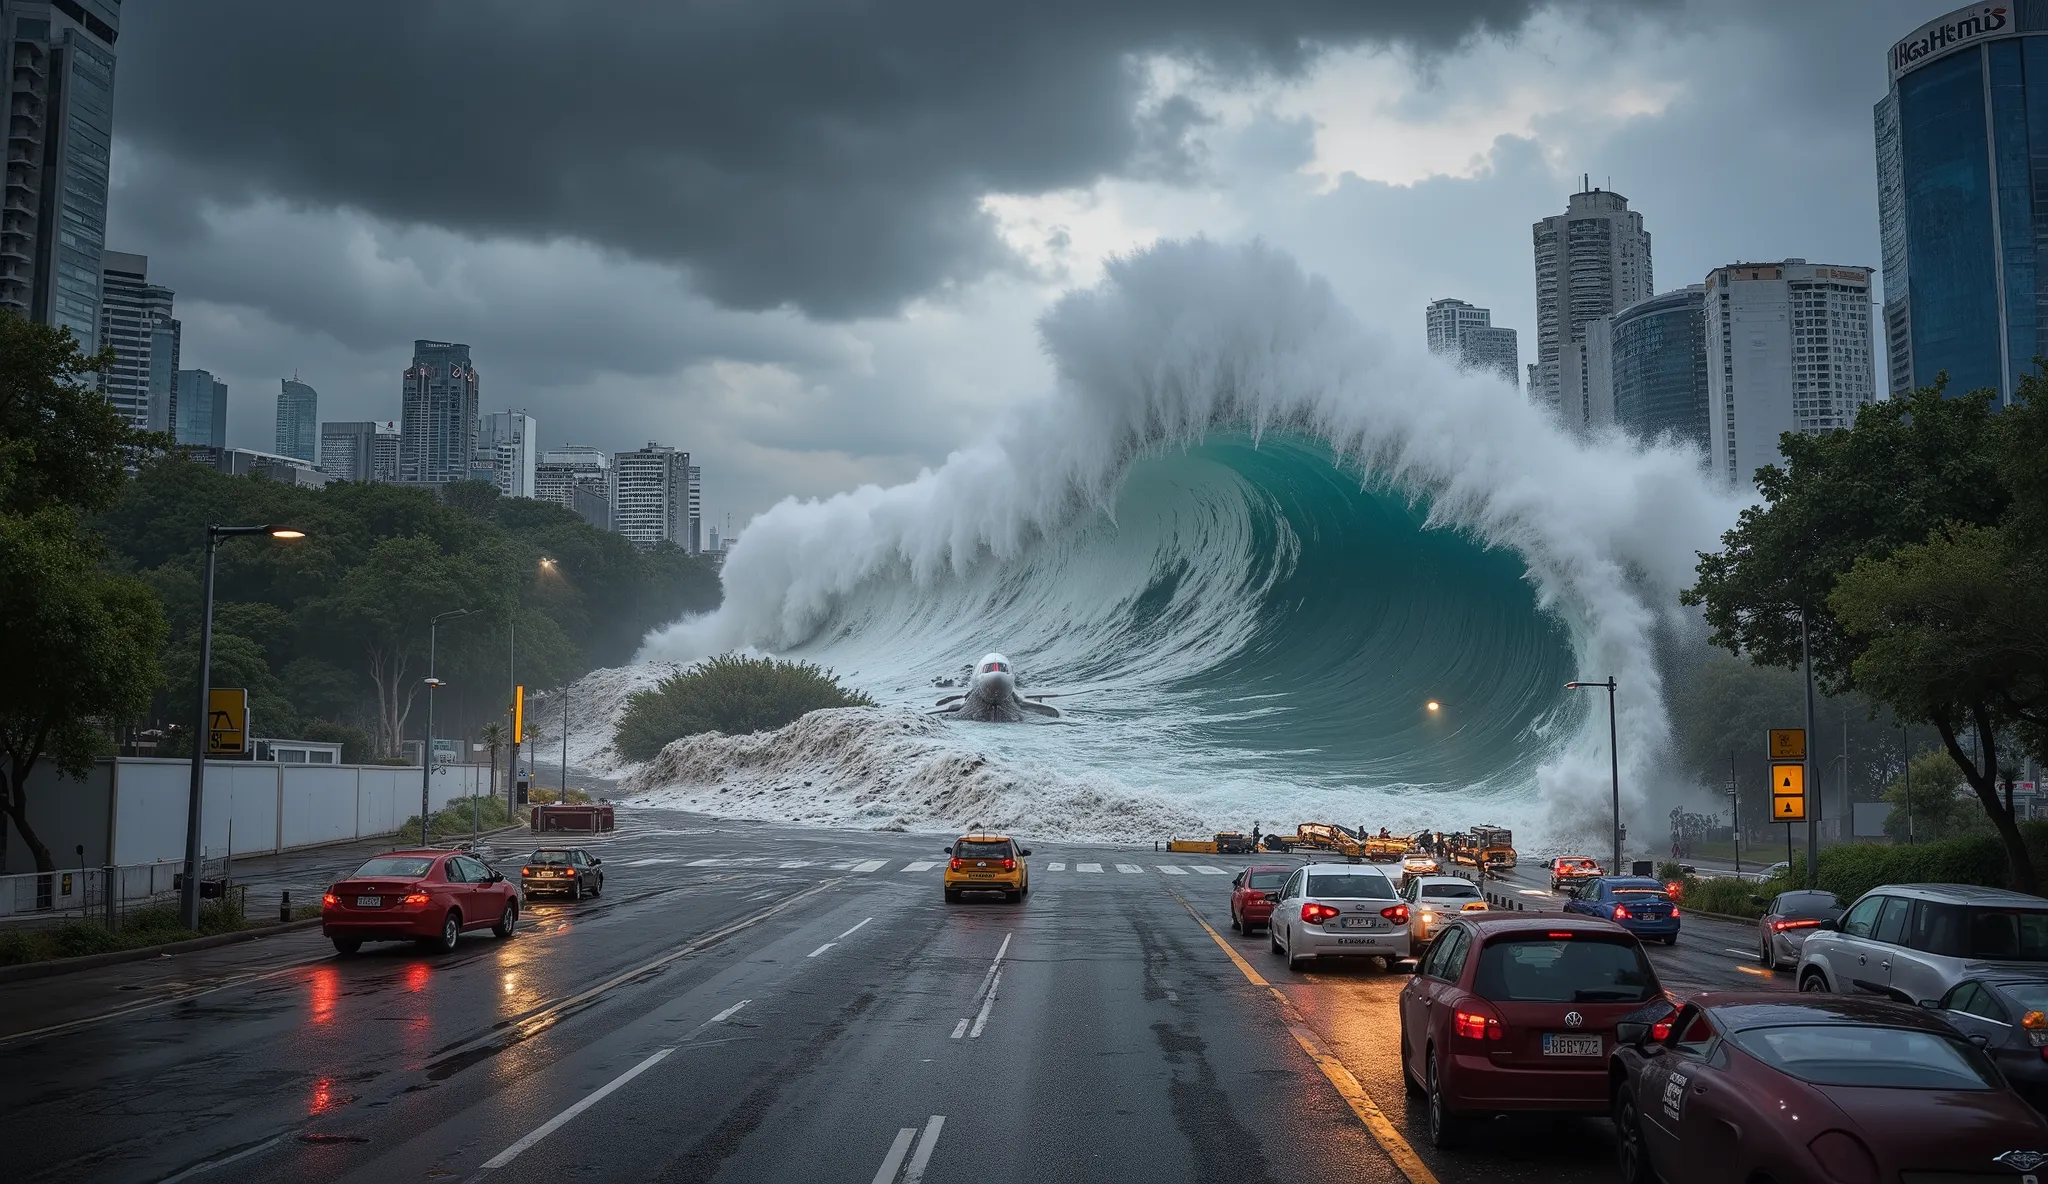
<point x="852" y="931"/>
<point x="1171" y="870"/>
<point x="1087" y="867"/>
<point x="565" y="1117"/>
<point x="223" y="1161"/>
<point x="891" y="1162"/>
<point x="914" y="1174"/>
<point x="987" y="1004"/>
<point x="1130" y="869"/>
<point x="728" y="1013"/>
<point x="960" y="1029"/>
<point x="1213" y="871"/>
<point x="922" y="865"/>
<point x="870" y="865"/>
<point x="1055" y="867"/>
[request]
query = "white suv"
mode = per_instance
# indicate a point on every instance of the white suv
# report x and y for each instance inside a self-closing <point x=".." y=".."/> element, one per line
<point x="1339" y="910"/>
<point x="1915" y="941"/>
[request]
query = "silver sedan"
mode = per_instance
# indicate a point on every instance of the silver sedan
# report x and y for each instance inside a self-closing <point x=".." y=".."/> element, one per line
<point x="1339" y="910"/>
<point x="1790" y="919"/>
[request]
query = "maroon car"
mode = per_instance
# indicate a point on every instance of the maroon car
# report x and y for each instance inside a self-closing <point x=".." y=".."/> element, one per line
<point x="426" y="896"/>
<point x="1516" y="1012"/>
<point x="1766" y="1086"/>
<point x="1253" y="892"/>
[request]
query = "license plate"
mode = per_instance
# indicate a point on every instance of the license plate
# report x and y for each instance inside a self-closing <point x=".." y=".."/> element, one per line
<point x="1360" y="922"/>
<point x="981" y="875"/>
<point x="369" y="902"/>
<point x="1556" y="1045"/>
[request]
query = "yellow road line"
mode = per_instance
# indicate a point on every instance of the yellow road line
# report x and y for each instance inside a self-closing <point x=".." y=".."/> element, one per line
<point x="1377" y="1124"/>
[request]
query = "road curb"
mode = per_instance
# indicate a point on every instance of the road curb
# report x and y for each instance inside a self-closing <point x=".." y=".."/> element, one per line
<point x="57" y="966"/>
<point x="1731" y="918"/>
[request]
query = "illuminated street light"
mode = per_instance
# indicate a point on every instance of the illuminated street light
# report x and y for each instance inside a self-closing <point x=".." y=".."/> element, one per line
<point x="1433" y="705"/>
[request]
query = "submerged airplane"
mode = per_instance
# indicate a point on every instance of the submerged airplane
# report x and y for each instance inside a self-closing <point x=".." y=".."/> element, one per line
<point x="992" y="696"/>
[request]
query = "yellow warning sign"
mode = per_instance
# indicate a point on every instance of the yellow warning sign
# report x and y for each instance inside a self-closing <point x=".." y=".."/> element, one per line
<point x="227" y="721"/>
<point x="1788" y="791"/>
<point x="1788" y="744"/>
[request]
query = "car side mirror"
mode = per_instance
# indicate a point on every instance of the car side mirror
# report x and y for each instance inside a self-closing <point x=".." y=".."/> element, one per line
<point x="1980" y="1040"/>
<point x="1273" y="897"/>
<point x="1830" y="927"/>
<point x="1632" y="1033"/>
<point x="1025" y="851"/>
<point x="1931" y="1004"/>
<point x="495" y="878"/>
<point x="596" y="862"/>
<point x="949" y="850"/>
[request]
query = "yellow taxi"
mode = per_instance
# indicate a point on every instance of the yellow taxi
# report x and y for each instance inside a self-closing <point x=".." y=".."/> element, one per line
<point x="987" y="863"/>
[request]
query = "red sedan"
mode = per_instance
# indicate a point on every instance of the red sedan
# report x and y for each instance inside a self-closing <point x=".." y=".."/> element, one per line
<point x="1513" y="1012"/>
<point x="425" y="896"/>
<point x="1755" y="1086"/>
<point x="1253" y="892"/>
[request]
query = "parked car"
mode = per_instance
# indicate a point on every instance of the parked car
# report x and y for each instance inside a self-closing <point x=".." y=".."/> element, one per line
<point x="1254" y="892"/>
<point x="1748" y="1086"/>
<point x="1789" y="920"/>
<point x="1436" y="901"/>
<point x="1567" y="870"/>
<point x="1518" y="1012"/>
<point x="561" y="871"/>
<point x="427" y="896"/>
<point x="1338" y="910"/>
<point x="2010" y="1013"/>
<point x="1915" y="941"/>
<point x="1418" y="863"/>
<point x="1641" y="905"/>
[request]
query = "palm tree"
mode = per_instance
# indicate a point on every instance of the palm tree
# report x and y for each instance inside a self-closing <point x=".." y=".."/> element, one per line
<point x="493" y="737"/>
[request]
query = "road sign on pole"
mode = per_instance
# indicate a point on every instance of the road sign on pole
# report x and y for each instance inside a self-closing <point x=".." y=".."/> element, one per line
<point x="519" y="715"/>
<point x="1788" y="744"/>
<point x="227" y="721"/>
<point x="1788" y="793"/>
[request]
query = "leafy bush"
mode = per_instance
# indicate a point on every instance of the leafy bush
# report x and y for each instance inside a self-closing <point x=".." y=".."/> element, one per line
<point x="456" y="817"/>
<point x="550" y="797"/>
<point x="1670" y="871"/>
<point x="729" y="694"/>
<point x="1737" y="898"/>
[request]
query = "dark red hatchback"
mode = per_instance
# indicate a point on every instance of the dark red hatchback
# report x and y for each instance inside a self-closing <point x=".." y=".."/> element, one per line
<point x="1253" y="892"/>
<point x="1514" y="1012"/>
<point x="426" y="896"/>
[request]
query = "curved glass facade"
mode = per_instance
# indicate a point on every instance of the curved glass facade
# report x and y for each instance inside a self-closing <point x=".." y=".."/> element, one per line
<point x="1963" y="199"/>
<point x="1660" y="367"/>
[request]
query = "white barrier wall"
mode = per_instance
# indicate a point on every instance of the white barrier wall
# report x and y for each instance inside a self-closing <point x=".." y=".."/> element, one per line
<point x="132" y="810"/>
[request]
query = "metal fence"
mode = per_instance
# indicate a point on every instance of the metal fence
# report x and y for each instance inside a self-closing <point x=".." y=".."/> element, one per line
<point x="104" y="894"/>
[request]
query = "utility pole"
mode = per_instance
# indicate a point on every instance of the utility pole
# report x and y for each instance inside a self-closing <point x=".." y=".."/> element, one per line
<point x="512" y="708"/>
<point x="1812" y="791"/>
<point x="1735" y="809"/>
<point x="1906" y="750"/>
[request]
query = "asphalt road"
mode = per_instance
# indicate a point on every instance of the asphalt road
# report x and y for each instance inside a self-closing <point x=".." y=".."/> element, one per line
<point x="754" y="1003"/>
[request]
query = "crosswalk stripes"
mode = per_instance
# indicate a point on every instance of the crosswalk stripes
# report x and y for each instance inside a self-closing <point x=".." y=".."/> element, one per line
<point x="870" y="865"/>
<point x="1213" y="871"/>
<point x="1055" y="867"/>
<point x="1087" y="867"/>
<point x="1171" y="870"/>
<point x="1130" y="869"/>
<point x="861" y="867"/>
<point x="922" y="865"/>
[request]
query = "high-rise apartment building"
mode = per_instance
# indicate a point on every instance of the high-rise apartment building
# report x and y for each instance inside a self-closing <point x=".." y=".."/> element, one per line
<point x="695" y="476"/>
<point x="359" y="450"/>
<point x="1962" y="166"/>
<point x="202" y="410"/>
<point x="511" y="439"/>
<point x="652" y="494"/>
<point x="1593" y="260"/>
<point x="439" y="414"/>
<point x="1586" y="377"/>
<point x="578" y="477"/>
<point x="1459" y="330"/>
<point x="136" y="323"/>
<point x="1788" y="349"/>
<point x="1659" y="372"/>
<point x="298" y="421"/>
<point x="60" y="131"/>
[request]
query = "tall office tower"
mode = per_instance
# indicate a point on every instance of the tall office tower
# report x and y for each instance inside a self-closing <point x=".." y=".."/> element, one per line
<point x="385" y="463"/>
<point x="1788" y="349"/>
<point x="512" y="441"/>
<point x="359" y="450"/>
<point x="578" y="477"/>
<point x="1962" y="170"/>
<point x="1586" y="377"/>
<point x="60" y="129"/>
<point x="1459" y="330"/>
<point x="136" y="323"/>
<point x="695" y="476"/>
<point x="438" y="415"/>
<point x="298" y="421"/>
<point x="651" y="495"/>
<point x="202" y="410"/>
<point x="164" y="335"/>
<point x="1660" y="367"/>
<point x="1591" y="261"/>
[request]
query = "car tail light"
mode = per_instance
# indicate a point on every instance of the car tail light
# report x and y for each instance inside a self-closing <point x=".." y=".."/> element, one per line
<point x="1474" y="1022"/>
<point x="1674" y="910"/>
<point x="1621" y="912"/>
<point x="1398" y="914"/>
<point x="954" y="864"/>
<point x="330" y="900"/>
<point x="1009" y="865"/>
<point x="1316" y="914"/>
<point x="1844" y="1157"/>
<point x="1560" y="935"/>
<point x="1661" y="1030"/>
<point x="416" y="898"/>
<point x="1782" y="926"/>
<point x="1477" y="906"/>
<point x="2035" y="1024"/>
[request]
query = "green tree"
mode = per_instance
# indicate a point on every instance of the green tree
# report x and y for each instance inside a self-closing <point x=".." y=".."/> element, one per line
<point x="730" y="694"/>
<point x="1939" y="810"/>
<point x="61" y="441"/>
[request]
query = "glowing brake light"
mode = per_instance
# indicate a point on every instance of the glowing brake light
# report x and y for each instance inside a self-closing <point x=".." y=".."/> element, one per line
<point x="416" y="898"/>
<point x="329" y="900"/>
<point x="1674" y="910"/>
<point x="1009" y="865"/>
<point x="1315" y="914"/>
<point x="1477" y="1025"/>
<point x="1563" y="936"/>
<point x="1621" y="912"/>
<point x="955" y="863"/>
<point x="1398" y="914"/>
<point x="1782" y="926"/>
<point x="1661" y="1030"/>
<point x="2035" y="1025"/>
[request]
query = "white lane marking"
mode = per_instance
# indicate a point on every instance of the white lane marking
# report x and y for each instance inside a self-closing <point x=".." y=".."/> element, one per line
<point x="728" y="1013"/>
<point x="821" y="949"/>
<point x="1171" y="870"/>
<point x="987" y="1004"/>
<point x="992" y="967"/>
<point x="1087" y="867"/>
<point x="870" y="865"/>
<point x="851" y="932"/>
<point x="223" y="1161"/>
<point x="1206" y="870"/>
<point x="652" y="861"/>
<point x="1055" y="867"/>
<point x="708" y="861"/>
<point x="565" y="1117"/>
<point x="1130" y="869"/>
<point x="795" y="863"/>
<point x="1739" y="953"/>
<point x="914" y="1174"/>
<point x="960" y="1029"/>
<point x="922" y="865"/>
<point x="886" y="1174"/>
<point x="842" y="865"/>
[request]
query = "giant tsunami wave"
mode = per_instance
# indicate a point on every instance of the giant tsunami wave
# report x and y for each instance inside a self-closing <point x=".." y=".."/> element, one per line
<point x="1254" y="536"/>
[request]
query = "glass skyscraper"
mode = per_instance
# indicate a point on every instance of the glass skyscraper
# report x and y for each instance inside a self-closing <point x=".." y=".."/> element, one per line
<point x="1962" y="161"/>
<point x="298" y="421"/>
<point x="1660" y="366"/>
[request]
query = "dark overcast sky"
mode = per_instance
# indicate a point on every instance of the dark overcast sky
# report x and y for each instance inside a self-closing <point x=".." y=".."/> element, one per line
<point x="807" y="240"/>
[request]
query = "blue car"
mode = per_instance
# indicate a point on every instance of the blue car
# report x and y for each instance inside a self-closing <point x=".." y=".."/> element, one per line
<point x="1636" y="903"/>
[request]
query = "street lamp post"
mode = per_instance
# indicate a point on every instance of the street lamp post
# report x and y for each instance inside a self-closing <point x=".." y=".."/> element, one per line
<point x="1613" y="758"/>
<point x="433" y="684"/>
<point x="565" y="744"/>
<point x="188" y="891"/>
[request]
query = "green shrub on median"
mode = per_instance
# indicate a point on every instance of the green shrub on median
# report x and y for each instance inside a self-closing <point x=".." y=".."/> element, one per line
<point x="1850" y="871"/>
<point x="456" y="818"/>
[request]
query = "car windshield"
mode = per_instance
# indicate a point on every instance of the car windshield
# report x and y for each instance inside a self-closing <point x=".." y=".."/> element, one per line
<point x="1350" y="887"/>
<point x="548" y="857"/>
<point x="1572" y="865"/>
<point x="399" y="866"/>
<point x="1267" y="881"/>
<point x="1809" y="906"/>
<point x="1000" y="849"/>
<point x="1852" y="1054"/>
<point x="1456" y="891"/>
<point x="1538" y="968"/>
